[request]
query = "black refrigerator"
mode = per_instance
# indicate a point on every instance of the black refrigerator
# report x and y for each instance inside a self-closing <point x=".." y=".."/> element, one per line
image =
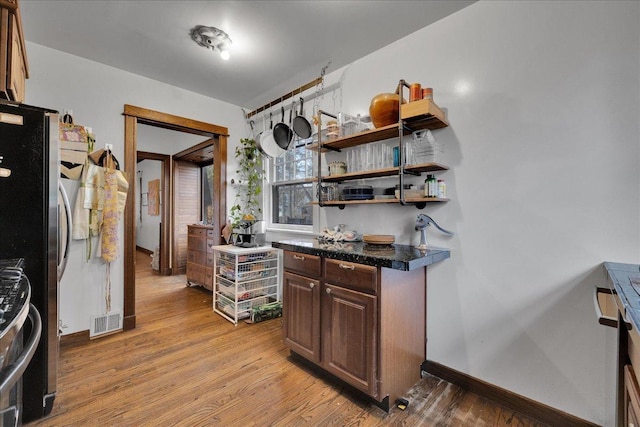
<point x="29" y="215"/>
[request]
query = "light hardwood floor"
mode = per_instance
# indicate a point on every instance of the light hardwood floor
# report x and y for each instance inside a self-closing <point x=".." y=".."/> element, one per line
<point x="184" y="365"/>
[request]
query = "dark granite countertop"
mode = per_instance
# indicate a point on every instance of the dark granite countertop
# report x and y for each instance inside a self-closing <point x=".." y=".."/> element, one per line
<point x="625" y="279"/>
<point x="398" y="257"/>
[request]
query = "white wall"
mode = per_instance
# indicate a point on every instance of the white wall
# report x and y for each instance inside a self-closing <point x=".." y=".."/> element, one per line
<point x="97" y="93"/>
<point x="543" y="99"/>
<point x="147" y="226"/>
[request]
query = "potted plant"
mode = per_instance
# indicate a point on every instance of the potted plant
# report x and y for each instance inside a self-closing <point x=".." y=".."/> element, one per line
<point x="247" y="207"/>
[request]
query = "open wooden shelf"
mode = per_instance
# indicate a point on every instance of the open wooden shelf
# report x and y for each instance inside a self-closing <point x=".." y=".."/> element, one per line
<point x="418" y="115"/>
<point x="382" y="201"/>
<point x="378" y="173"/>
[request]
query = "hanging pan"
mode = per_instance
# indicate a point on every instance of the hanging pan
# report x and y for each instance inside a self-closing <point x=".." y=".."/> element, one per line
<point x="282" y="133"/>
<point x="266" y="142"/>
<point x="301" y="125"/>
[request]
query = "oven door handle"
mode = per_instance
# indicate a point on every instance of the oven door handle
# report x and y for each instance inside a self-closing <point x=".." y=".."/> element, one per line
<point x="12" y="373"/>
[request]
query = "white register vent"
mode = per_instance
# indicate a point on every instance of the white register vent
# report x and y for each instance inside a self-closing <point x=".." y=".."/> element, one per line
<point x="105" y="324"/>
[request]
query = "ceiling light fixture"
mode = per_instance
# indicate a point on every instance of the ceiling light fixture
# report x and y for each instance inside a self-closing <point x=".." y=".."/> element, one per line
<point x="212" y="38"/>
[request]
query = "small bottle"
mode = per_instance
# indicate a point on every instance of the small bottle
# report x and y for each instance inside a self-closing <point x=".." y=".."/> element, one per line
<point x="442" y="189"/>
<point x="430" y="186"/>
<point x="427" y="93"/>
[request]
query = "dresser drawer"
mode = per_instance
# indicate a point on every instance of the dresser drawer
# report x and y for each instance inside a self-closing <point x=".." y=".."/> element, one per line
<point x="308" y="265"/>
<point x="353" y="275"/>
<point x="197" y="243"/>
<point x="198" y="231"/>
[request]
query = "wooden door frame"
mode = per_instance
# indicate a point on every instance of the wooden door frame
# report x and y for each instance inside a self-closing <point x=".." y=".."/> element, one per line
<point x="166" y="217"/>
<point x="132" y="116"/>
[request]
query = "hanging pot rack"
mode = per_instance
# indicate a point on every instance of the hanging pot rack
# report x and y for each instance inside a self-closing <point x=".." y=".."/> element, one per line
<point x="285" y="97"/>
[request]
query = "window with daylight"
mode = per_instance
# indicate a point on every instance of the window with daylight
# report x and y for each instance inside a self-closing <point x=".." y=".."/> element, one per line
<point x="291" y="194"/>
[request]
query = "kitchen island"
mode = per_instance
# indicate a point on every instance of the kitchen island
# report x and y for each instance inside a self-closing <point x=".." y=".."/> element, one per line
<point x="358" y="312"/>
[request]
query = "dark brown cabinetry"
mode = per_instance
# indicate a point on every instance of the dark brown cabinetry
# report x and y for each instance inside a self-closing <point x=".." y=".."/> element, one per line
<point x="301" y="302"/>
<point x="13" y="57"/>
<point x="363" y="324"/>
<point x="200" y="242"/>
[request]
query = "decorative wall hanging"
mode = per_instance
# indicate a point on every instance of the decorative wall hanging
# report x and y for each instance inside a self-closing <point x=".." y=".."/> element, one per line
<point x="73" y="150"/>
<point x="154" y="197"/>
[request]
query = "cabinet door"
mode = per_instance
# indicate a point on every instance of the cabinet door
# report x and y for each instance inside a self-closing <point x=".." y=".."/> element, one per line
<point x="301" y="315"/>
<point x="17" y="69"/>
<point x="632" y="397"/>
<point x="349" y="330"/>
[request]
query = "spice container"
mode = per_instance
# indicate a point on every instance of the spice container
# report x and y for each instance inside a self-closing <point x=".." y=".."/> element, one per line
<point x="415" y="92"/>
<point x="427" y="93"/>
<point x="337" y="168"/>
<point x="442" y="189"/>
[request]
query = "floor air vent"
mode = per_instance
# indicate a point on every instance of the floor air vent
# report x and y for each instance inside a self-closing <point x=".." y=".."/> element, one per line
<point x="105" y="324"/>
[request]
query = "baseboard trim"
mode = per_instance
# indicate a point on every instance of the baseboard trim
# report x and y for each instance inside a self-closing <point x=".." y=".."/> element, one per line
<point x="524" y="405"/>
<point x="74" y="337"/>
<point x="143" y="250"/>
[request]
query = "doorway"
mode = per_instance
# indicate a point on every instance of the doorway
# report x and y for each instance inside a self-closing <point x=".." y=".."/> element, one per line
<point x="132" y="117"/>
<point x="164" y="232"/>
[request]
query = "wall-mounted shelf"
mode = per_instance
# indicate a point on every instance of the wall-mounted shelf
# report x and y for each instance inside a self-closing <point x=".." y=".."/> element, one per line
<point x="418" y="115"/>
<point x="378" y="173"/>
<point x="413" y="116"/>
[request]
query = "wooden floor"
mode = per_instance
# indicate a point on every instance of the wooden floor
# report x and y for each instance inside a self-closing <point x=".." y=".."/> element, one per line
<point x="184" y="365"/>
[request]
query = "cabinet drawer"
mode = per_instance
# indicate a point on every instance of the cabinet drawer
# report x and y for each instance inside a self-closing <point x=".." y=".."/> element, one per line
<point x="195" y="272"/>
<point x="197" y="257"/>
<point x="309" y="265"/>
<point x="353" y="275"/>
<point x="210" y="245"/>
<point x="198" y="231"/>
<point x="197" y="244"/>
<point x="210" y="233"/>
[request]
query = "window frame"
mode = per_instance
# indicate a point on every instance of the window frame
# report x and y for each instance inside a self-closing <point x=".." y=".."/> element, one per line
<point x="268" y="200"/>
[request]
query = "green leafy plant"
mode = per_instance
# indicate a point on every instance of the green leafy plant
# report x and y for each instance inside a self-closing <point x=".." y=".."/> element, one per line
<point x="247" y="205"/>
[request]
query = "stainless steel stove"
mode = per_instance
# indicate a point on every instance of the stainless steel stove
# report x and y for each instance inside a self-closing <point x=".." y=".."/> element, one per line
<point x="15" y="308"/>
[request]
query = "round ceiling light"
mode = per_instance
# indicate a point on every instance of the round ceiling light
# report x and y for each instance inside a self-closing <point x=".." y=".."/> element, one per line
<point x="212" y="38"/>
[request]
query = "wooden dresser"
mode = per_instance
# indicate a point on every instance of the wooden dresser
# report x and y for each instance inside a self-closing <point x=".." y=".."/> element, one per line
<point x="14" y="69"/>
<point x="200" y="242"/>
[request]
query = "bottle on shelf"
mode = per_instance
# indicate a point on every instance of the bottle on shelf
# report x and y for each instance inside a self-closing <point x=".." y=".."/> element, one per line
<point x="442" y="189"/>
<point x="430" y="186"/>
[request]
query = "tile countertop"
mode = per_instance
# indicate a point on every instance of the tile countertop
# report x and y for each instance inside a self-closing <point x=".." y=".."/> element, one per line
<point x="398" y="257"/>
<point x="625" y="279"/>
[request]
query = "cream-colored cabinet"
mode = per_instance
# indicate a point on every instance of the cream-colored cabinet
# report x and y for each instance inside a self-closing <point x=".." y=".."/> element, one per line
<point x="13" y="56"/>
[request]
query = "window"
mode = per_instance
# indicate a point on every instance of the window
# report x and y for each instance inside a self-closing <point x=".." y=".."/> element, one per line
<point x="291" y="194"/>
<point x="207" y="193"/>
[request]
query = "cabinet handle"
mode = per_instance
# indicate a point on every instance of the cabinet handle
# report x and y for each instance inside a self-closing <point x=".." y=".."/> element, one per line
<point x="328" y="290"/>
<point x="301" y="258"/>
<point x="347" y="267"/>
<point x="312" y="285"/>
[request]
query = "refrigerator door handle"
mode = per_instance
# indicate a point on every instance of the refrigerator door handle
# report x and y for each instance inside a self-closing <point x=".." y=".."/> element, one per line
<point x="64" y="250"/>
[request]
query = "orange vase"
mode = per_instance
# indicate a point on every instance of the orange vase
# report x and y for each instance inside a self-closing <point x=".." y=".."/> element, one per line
<point x="384" y="109"/>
